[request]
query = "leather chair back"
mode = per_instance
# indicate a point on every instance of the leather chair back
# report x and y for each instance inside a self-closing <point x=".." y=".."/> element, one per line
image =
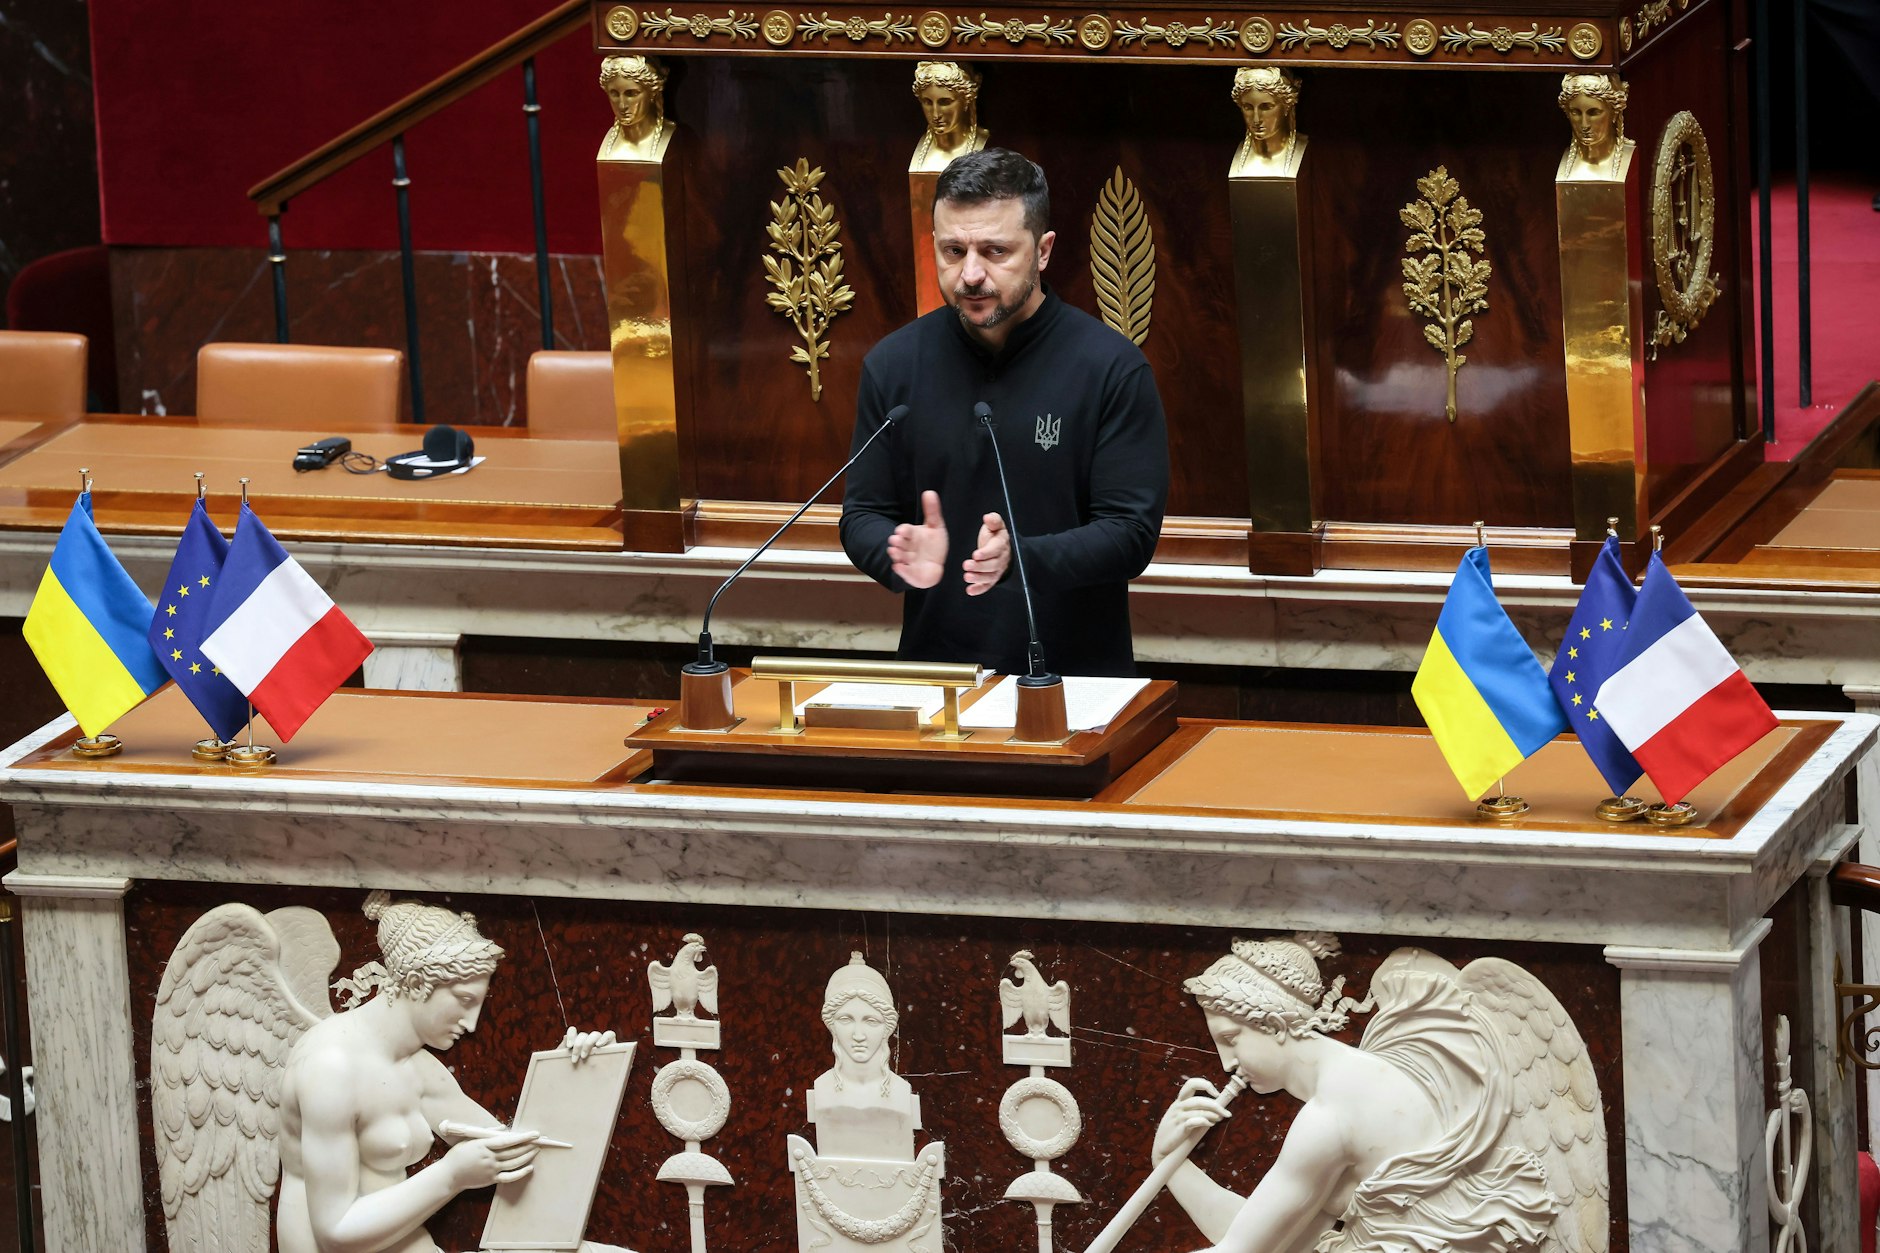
<point x="571" y="394"/>
<point x="42" y="374"/>
<point x="298" y="386"/>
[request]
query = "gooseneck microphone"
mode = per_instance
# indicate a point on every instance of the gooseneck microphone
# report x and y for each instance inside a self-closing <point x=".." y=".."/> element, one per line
<point x="1036" y="674"/>
<point x="708" y="664"/>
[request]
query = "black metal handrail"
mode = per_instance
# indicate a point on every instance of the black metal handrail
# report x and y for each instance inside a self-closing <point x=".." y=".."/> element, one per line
<point x="272" y="194"/>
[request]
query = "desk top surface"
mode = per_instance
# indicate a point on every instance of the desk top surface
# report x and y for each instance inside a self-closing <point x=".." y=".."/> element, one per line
<point x="544" y="492"/>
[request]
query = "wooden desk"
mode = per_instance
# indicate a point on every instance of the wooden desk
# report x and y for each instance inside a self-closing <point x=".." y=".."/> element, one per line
<point x="534" y="493"/>
<point x="1672" y="953"/>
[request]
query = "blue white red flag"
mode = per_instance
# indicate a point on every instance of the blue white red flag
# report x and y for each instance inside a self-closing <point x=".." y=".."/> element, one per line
<point x="1596" y="638"/>
<point x="274" y="633"/>
<point x="1677" y="699"/>
<point x="176" y="633"/>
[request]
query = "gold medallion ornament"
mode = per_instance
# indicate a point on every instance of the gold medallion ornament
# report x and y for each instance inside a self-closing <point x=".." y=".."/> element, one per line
<point x="1122" y="258"/>
<point x="810" y="291"/>
<point x="934" y="29"/>
<point x="778" y="28"/>
<point x="1684" y="237"/>
<point x="1419" y="36"/>
<point x="1443" y="283"/>
<point x="1094" y="32"/>
<point x="1584" y="40"/>
<point x="1625" y="37"/>
<point x="1256" y="35"/>
<point x="622" y="23"/>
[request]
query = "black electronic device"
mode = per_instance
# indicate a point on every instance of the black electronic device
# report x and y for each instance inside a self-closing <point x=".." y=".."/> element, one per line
<point x="321" y="453"/>
<point x="1036" y="674"/>
<point x="446" y="450"/>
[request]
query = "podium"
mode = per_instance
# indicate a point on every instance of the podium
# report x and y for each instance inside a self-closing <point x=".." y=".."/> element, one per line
<point x="755" y="752"/>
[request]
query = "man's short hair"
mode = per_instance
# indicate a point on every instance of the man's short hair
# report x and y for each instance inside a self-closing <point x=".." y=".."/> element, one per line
<point x="998" y="174"/>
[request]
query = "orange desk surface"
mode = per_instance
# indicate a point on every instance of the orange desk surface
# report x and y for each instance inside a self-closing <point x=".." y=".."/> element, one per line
<point x="540" y="492"/>
<point x="1242" y="770"/>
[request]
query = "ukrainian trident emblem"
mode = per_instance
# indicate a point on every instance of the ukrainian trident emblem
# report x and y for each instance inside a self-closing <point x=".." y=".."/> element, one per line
<point x="1047" y="434"/>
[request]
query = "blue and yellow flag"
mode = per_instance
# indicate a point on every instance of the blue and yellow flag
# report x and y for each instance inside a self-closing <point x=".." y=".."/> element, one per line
<point x="1482" y="692"/>
<point x="86" y="625"/>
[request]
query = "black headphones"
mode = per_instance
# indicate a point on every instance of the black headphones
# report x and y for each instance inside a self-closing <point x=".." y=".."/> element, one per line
<point x="446" y="450"/>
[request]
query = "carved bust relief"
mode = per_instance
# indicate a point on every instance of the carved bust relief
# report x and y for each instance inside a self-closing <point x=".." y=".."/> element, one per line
<point x="636" y="89"/>
<point x="1594" y="105"/>
<point x="1268" y="100"/>
<point x="948" y="92"/>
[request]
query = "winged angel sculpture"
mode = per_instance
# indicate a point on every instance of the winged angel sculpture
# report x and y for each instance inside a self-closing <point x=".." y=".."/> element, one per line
<point x="255" y="1081"/>
<point x="1468" y="1119"/>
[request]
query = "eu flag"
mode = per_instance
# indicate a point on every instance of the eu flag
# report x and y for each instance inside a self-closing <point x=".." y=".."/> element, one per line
<point x="176" y="633"/>
<point x="1593" y="649"/>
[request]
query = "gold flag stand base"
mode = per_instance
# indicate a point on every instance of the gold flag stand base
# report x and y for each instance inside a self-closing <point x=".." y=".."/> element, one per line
<point x="97" y="746"/>
<point x="1501" y="807"/>
<point x="1682" y="814"/>
<point x="1621" y="809"/>
<point x="211" y="750"/>
<point x="251" y="756"/>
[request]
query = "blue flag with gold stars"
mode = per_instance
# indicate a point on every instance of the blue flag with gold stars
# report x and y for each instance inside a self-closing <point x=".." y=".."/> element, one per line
<point x="176" y="633"/>
<point x="1594" y="647"/>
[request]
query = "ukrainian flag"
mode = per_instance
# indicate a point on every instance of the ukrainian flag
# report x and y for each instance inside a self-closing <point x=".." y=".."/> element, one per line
<point x="87" y="625"/>
<point x="1482" y="692"/>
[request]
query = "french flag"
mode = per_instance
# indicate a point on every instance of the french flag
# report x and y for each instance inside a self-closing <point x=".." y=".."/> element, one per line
<point x="274" y="634"/>
<point x="1677" y="698"/>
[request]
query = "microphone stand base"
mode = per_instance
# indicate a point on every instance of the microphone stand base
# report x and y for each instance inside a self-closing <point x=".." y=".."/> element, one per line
<point x="1041" y="718"/>
<point x="705" y="698"/>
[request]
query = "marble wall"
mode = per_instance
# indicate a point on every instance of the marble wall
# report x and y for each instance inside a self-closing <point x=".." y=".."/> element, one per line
<point x="1136" y="1036"/>
<point x="48" y="162"/>
<point x="478" y="318"/>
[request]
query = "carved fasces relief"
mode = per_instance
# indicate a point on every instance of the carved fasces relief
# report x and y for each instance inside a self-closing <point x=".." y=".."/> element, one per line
<point x="689" y="1097"/>
<point x="861" y="1185"/>
<point x="1788" y="1150"/>
<point x="1471" y="1092"/>
<point x="1684" y="231"/>
<point x="245" y="1046"/>
<point x="1038" y="1115"/>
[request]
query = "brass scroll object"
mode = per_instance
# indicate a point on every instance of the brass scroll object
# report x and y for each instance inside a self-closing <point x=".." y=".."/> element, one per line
<point x="1443" y="283"/>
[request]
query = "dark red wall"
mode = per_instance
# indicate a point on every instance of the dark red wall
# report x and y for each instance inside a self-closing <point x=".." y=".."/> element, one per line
<point x="198" y="100"/>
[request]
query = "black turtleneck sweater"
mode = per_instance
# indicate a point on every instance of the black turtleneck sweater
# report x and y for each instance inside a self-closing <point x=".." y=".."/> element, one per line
<point x="1086" y="453"/>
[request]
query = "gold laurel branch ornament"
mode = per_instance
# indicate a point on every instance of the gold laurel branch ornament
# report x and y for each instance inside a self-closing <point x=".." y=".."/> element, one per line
<point x="810" y="290"/>
<point x="1122" y="258"/>
<point x="1443" y="282"/>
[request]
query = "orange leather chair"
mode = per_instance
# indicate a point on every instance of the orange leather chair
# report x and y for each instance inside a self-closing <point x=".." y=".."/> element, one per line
<point x="42" y="374"/>
<point x="298" y="386"/>
<point x="571" y="394"/>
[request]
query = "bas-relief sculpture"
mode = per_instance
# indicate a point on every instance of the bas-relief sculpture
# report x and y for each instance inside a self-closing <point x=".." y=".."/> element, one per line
<point x="862" y="1186"/>
<point x="636" y="88"/>
<point x="1788" y="1151"/>
<point x="948" y="92"/>
<point x="1595" y="109"/>
<point x="256" y="1082"/>
<point x="1038" y="1115"/>
<point x="1268" y="100"/>
<point x="689" y="1098"/>
<point x="1467" y="1119"/>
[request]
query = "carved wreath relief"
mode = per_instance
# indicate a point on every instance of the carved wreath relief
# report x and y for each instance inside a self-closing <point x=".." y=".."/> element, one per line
<point x="1038" y="1116"/>
<point x="1684" y="235"/>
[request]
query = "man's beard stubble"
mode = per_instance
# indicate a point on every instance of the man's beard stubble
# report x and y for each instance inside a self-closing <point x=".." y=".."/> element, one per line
<point x="1002" y="310"/>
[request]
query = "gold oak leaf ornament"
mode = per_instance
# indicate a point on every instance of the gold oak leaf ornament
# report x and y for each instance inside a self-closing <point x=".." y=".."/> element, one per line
<point x="810" y="291"/>
<point x="1443" y="282"/>
<point x="1122" y="258"/>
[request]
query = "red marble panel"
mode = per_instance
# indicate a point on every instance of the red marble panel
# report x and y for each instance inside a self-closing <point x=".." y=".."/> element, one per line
<point x="1136" y="1034"/>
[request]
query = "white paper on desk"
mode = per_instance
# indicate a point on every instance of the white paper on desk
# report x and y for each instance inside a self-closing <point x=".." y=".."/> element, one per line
<point x="1088" y="702"/>
<point x="877" y="696"/>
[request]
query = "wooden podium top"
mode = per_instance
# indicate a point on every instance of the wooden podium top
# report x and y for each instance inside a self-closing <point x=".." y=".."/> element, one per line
<point x="1375" y="775"/>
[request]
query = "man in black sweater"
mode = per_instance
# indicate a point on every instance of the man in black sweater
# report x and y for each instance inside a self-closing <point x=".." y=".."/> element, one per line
<point x="1078" y="421"/>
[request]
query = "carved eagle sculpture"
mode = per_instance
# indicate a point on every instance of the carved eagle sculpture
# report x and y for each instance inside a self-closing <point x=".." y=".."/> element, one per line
<point x="1032" y="999"/>
<point x="685" y="985"/>
<point x="241" y="988"/>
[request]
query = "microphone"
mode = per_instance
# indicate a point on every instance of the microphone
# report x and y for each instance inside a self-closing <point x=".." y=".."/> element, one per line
<point x="705" y="705"/>
<point x="1036" y="674"/>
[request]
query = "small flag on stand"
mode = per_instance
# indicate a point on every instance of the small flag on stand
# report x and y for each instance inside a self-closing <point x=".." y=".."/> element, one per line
<point x="277" y="636"/>
<point x="1479" y="687"/>
<point x="177" y="631"/>
<point x="1677" y="699"/>
<point x="86" y="625"/>
<point x="1596" y="637"/>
